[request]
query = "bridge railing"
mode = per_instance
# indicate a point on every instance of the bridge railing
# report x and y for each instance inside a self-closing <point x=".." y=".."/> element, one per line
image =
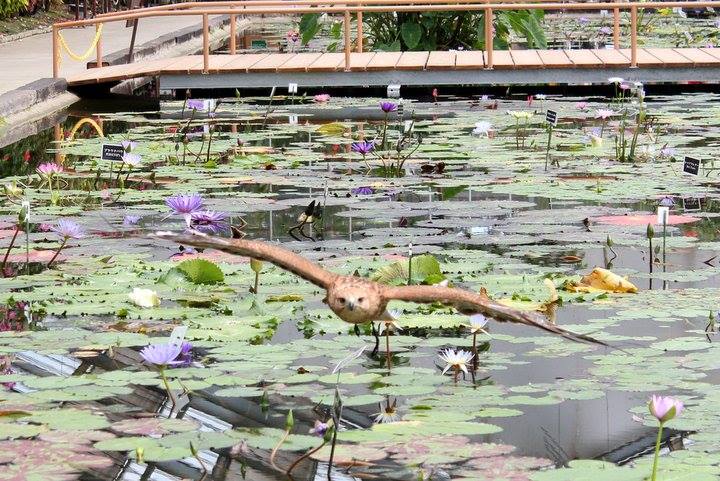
<point x="358" y="7"/>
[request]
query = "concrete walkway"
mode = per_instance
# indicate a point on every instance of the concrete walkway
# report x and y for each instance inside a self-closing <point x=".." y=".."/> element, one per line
<point x="30" y="58"/>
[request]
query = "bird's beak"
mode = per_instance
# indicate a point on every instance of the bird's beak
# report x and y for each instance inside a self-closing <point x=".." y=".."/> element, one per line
<point x="351" y="305"/>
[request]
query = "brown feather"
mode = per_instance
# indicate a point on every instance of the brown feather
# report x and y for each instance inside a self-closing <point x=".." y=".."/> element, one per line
<point x="470" y="303"/>
<point x="263" y="251"/>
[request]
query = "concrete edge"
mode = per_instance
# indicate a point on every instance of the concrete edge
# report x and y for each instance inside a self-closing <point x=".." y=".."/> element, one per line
<point x="36" y="118"/>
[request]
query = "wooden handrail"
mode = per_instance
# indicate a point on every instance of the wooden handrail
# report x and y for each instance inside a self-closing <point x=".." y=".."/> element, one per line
<point x="359" y="7"/>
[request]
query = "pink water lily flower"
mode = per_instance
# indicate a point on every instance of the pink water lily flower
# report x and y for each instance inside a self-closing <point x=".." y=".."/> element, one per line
<point x="665" y="408"/>
<point x="321" y="98"/>
<point x="47" y="169"/>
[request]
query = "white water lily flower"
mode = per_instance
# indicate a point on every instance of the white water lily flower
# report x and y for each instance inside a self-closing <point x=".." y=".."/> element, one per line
<point x="457" y="360"/>
<point x="616" y="80"/>
<point x="478" y="323"/>
<point x="540" y="96"/>
<point x="520" y="114"/>
<point x="390" y="321"/>
<point x="595" y="140"/>
<point x="384" y="417"/>
<point x="482" y="128"/>
<point x="144" y="297"/>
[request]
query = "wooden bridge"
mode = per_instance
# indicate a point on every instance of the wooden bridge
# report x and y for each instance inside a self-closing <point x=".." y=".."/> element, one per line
<point x="355" y="67"/>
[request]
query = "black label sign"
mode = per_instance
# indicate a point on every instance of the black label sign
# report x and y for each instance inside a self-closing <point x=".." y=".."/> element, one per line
<point x="691" y="166"/>
<point x="112" y="152"/>
<point x="691" y="204"/>
<point x="551" y="117"/>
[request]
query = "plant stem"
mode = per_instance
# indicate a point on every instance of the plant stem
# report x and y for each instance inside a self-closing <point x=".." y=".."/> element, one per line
<point x="664" y="237"/>
<point x="12" y="243"/>
<point x="303" y="457"/>
<point x="475" y="352"/>
<point x="57" y="253"/>
<point x="168" y="389"/>
<point x="387" y="345"/>
<point x="257" y="282"/>
<point x="275" y="449"/>
<point x="657" y="453"/>
<point x="547" y="150"/>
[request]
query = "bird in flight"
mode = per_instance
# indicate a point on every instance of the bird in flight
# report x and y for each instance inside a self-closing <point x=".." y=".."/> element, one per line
<point x="357" y="300"/>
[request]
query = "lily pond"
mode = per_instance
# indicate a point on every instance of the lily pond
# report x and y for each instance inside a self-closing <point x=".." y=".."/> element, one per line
<point x="253" y="377"/>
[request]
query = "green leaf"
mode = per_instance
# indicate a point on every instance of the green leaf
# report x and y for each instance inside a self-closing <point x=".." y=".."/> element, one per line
<point x="411" y="33"/>
<point x="201" y="271"/>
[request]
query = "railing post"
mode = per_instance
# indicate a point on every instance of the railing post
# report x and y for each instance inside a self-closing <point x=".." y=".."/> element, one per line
<point x="98" y="45"/>
<point x="633" y="36"/>
<point x="56" y="51"/>
<point x="616" y="28"/>
<point x="346" y="28"/>
<point x="206" y="43"/>
<point x="233" y="35"/>
<point x="488" y="38"/>
<point x="359" y="47"/>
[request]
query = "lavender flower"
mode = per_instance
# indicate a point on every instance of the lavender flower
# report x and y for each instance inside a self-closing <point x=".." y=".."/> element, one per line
<point x="208" y="221"/>
<point x="128" y="145"/>
<point x="319" y="429"/>
<point x="131" y="220"/>
<point x="363" y="147"/>
<point x="388" y="107"/>
<point x="132" y="160"/>
<point x="667" y="201"/>
<point x="185" y="358"/>
<point x="68" y="229"/>
<point x="605" y="31"/>
<point x="668" y="152"/>
<point x="161" y="355"/>
<point x="365" y="190"/>
<point x="195" y="104"/>
<point x="583" y="20"/>
<point x="185" y="205"/>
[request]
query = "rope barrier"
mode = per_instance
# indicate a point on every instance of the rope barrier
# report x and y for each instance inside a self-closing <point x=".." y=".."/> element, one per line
<point x="90" y="49"/>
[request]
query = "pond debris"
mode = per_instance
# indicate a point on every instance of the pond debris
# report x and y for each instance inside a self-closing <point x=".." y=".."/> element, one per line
<point x="601" y="280"/>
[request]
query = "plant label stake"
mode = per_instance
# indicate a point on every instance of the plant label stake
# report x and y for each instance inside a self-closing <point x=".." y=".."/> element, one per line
<point x="409" y="124"/>
<point x="292" y="88"/>
<point x="410" y="256"/>
<point x="691" y="204"/>
<point x="691" y="166"/>
<point x="25" y="207"/>
<point x="112" y="152"/>
<point x="662" y="215"/>
<point x="551" y="118"/>
<point x="393" y="91"/>
<point x="292" y="119"/>
<point x="177" y="336"/>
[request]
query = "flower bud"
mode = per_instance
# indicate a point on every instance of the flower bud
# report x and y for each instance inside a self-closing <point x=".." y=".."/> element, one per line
<point x="650" y="231"/>
<point x="256" y="266"/>
<point x="289" y="421"/>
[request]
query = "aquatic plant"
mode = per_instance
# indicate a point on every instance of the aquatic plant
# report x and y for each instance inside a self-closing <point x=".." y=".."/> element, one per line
<point x="144" y="297"/>
<point x="664" y="409"/>
<point x="209" y="221"/>
<point x="66" y="230"/>
<point x="185" y="205"/>
<point x="163" y="356"/>
<point x="456" y="360"/>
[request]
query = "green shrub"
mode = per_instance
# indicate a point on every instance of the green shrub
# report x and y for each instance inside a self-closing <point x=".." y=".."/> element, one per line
<point x="9" y="8"/>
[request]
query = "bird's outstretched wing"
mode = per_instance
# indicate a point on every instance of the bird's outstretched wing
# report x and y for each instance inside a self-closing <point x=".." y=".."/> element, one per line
<point x="263" y="251"/>
<point x="470" y="303"/>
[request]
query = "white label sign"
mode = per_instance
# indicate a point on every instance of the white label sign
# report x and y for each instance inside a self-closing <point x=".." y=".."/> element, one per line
<point x="663" y="213"/>
<point x="292" y="88"/>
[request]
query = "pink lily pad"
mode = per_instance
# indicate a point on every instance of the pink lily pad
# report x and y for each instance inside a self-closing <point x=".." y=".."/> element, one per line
<point x="36" y="256"/>
<point x="638" y="220"/>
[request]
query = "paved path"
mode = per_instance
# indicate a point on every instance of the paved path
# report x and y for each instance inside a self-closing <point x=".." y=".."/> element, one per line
<point x="30" y="58"/>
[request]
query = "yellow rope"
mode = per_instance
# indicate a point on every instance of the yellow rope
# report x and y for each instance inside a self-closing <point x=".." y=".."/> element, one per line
<point x="90" y="49"/>
<point x="76" y="127"/>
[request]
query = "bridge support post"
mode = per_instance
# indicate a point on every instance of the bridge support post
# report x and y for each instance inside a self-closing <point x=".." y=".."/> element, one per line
<point x="56" y="52"/>
<point x="633" y="37"/>
<point x="206" y="43"/>
<point x="489" y="38"/>
<point x="98" y="46"/>
<point x="346" y="28"/>
<point x="233" y="34"/>
<point x="359" y="47"/>
<point x="616" y="28"/>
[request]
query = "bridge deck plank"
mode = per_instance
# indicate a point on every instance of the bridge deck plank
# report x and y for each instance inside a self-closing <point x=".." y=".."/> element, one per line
<point x="503" y="60"/>
<point x="299" y="63"/>
<point x="585" y="59"/>
<point x="526" y="59"/>
<point x="242" y="62"/>
<point x="412" y="61"/>
<point x="383" y="61"/>
<point x="272" y="62"/>
<point x="327" y="62"/>
<point x="470" y="59"/>
<point x="554" y="58"/>
<point x="612" y="57"/>
<point x="441" y="61"/>
<point x="359" y="61"/>
<point x="698" y="57"/>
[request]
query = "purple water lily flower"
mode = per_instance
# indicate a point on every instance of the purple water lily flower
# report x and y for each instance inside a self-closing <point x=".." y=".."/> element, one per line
<point x="365" y="190"/>
<point x="667" y="201"/>
<point x="161" y="355"/>
<point x="128" y="145"/>
<point x="185" y="358"/>
<point x="132" y="160"/>
<point x="606" y="31"/>
<point x="319" y="429"/>
<point x="667" y="152"/>
<point x="388" y="107"/>
<point x="131" y="220"/>
<point x="195" y="104"/>
<point x="67" y="229"/>
<point x="363" y="147"/>
<point x="185" y="205"/>
<point x="208" y="221"/>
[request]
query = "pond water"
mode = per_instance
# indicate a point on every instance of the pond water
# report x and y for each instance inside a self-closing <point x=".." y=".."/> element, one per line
<point x="471" y="184"/>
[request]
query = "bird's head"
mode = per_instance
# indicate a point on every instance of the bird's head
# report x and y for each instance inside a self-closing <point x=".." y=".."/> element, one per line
<point x="355" y="302"/>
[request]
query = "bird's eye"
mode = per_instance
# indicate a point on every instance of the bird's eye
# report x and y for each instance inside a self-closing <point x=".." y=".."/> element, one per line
<point x="360" y="299"/>
<point x="341" y="300"/>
